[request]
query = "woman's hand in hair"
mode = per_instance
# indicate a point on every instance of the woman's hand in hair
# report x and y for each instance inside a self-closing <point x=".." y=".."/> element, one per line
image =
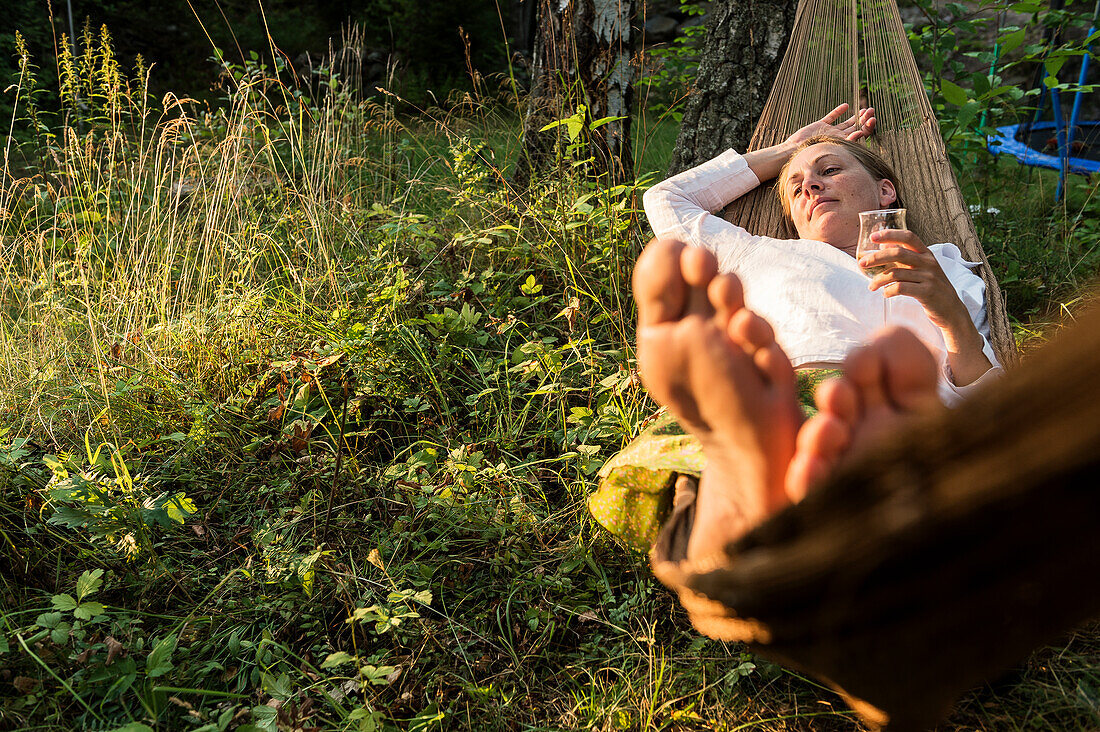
<point x="912" y="270"/>
<point x="856" y="127"/>
<point x="768" y="161"/>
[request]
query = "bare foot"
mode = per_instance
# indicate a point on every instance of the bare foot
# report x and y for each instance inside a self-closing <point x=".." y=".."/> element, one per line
<point x="884" y="381"/>
<point x="717" y="367"/>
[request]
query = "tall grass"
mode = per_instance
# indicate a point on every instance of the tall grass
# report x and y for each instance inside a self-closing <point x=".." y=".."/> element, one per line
<point x="318" y="395"/>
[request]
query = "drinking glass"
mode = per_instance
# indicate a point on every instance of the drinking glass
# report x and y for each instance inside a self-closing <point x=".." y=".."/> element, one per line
<point x="869" y="223"/>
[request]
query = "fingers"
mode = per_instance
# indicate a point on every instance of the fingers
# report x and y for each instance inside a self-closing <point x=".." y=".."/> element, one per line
<point x="904" y="237"/>
<point x="895" y="257"/>
<point x="865" y="125"/>
<point x="833" y="116"/>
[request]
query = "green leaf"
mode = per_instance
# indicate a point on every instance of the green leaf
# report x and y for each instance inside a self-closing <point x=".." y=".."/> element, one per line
<point x="1012" y="41"/>
<point x="4" y="647"/>
<point x="48" y="620"/>
<point x="530" y="287"/>
<point x="369" y="721"/>
<point x="603" y="121"/>
<point x="226" y="717"/>
<point x="575" y="124"/>
<point x="89" y="583"/>
<point x="60" y="634"/>
<point x="133" y="727"/>
<point x="953" y="93"/>
<point x="265" y="717"/>
<point x="86" y="610"/>
<point x="980" y="83"/>
<point x="64" y="603"/>
<point x="179" y="507"/>
<point x="87" y="217"/>
<point x="376" y="675"/>
<point x="968" y="112"/>
<point x="159" y="660"/>
<point x="337" y="659"/>
<point x="278" y="687"/>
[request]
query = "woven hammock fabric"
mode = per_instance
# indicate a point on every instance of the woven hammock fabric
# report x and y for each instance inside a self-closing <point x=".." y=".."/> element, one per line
<point x="857" y="51"/>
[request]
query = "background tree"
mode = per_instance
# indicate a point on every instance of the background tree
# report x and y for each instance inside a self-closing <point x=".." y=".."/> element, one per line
<point x="744" y="46"/>
<point x="583" y="56"/>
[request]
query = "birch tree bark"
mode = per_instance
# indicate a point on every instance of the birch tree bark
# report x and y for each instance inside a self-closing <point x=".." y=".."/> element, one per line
<point x="744" y="46"/>
<point x="582" y="57"/>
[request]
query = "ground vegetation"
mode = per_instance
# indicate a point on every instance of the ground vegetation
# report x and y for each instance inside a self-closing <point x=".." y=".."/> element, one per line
<point x="300" y="404"/>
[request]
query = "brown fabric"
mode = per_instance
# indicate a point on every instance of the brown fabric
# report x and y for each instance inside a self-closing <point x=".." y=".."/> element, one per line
<point x="832" y="58"/>
<point x="931" y="561"/>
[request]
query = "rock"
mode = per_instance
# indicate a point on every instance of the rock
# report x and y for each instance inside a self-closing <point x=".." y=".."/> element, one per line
<point x="913" y="17"/>
<point x="691" y="22"/>
<point x="660" y="28"/>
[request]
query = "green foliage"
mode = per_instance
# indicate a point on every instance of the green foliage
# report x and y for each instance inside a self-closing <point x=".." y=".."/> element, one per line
<point x="343" y="393"/>
<point x="1042" y="255"/>
<point x="966" y="77"/>
<point x="116" y="507"/>
<point x="670" y="70"/>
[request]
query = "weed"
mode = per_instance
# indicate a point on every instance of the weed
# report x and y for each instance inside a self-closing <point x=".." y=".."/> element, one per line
<point x="301" y="403"/>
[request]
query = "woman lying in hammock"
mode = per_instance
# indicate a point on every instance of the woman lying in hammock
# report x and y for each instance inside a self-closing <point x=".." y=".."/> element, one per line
<point x="936" y="546"/>
<point x="811" y="289"/>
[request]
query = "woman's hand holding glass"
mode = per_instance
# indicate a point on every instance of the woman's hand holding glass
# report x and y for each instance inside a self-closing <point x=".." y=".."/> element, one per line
<point x="912" y="270"/>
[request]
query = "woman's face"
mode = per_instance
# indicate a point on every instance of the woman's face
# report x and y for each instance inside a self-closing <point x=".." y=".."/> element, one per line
<point x="826" y="188"/>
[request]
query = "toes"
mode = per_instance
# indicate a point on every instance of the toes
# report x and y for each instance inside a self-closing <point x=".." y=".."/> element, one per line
<point x="824" y="435"/>
<point x="751" y="331"/>
<point x="908" y="368"/>
<point x="659" y="287"/>
<point x="839" y="398"/>
<point x="895" y="371"/>
<point x="699" y="268"/>
<point x="863" y="368"/>
<point x="726" y="297"/>
<point x="774" y="364"/>
<point x="756" y="338"/>
<point x="820" y="444"/>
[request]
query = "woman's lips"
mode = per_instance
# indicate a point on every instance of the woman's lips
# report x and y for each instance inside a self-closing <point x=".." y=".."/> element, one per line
<point x="818" y="202"/>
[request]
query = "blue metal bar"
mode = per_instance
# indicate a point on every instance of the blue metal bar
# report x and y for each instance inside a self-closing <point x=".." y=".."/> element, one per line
<point x="1075" y="115"/>
<point x="1060" y="135"/>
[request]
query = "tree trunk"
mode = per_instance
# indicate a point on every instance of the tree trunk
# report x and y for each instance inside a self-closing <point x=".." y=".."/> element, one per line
<point x="522" y="26"/>
<point x="582" y="57"/>
<point x="744" y="46"/>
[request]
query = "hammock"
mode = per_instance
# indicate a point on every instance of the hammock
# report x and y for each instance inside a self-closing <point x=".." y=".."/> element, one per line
<point x="868" y="63"/>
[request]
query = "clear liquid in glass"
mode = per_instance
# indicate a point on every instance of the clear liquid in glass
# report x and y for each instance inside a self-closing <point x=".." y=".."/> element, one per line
<point x="869" y="223"/>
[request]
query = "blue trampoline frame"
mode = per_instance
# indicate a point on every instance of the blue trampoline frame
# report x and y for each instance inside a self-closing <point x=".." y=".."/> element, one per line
<point x="1005" y="139"/>
<point x="1005" y="142"/>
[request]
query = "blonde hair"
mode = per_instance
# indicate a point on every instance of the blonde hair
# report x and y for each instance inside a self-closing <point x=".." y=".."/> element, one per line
<point x="871" y="161"/>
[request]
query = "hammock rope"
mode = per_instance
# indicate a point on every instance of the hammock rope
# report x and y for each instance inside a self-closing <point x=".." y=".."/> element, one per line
<point x="857" y="51"/>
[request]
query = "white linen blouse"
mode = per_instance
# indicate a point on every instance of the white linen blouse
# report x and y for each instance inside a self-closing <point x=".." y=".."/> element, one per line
<point x="813" y="294"/>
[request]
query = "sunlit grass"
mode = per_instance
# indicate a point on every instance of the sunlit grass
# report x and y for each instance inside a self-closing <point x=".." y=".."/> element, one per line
<point x="383" y="381"/>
